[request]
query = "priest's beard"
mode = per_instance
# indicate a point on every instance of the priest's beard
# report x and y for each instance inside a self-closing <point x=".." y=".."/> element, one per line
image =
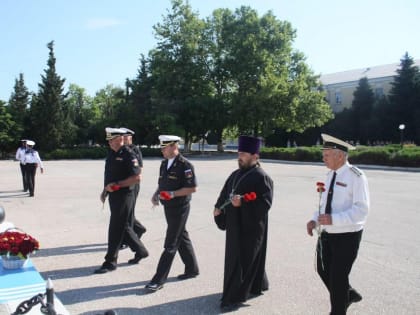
<point x="246" y="164"/>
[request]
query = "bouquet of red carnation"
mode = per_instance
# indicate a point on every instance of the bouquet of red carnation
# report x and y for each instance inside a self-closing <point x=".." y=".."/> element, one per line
<point x="16" y="243"/>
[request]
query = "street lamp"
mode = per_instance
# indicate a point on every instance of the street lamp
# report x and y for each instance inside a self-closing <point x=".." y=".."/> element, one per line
<point x="401" y="127"/>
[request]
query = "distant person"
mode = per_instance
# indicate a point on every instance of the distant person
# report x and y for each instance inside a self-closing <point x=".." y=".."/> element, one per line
<point x="242" y="211"/>
<point x="345" y="206"/>
<point x="176" y="184"/>
<point x="31" y="161"/>
<point x="122" y="172"/>
<point x="138" y="228"/>
<point x="20" y="156"/>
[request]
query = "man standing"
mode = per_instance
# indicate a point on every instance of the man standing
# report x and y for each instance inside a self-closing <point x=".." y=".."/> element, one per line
<point x="345" y="206"/>
<point x="242" y="210"/>
<point x="176" y="183"/>
<point x="122" y="172"/>
<point x="138" y="228"/>
<point x="20" y="156"/>
<point x="32" y="161"/>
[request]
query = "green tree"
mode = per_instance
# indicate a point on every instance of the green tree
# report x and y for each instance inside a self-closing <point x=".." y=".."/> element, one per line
<point x="362" y="107"/>
<point x="220" y="79"/>
<point x="82" y="114"/>
<point x="18" y="107"/>
<point x="405" y="98"/>
<point x="111" y="105"/>
<point x="6" y="126"/>
<point x="179" y="72"/>
<point x="272" y="86"/>
<point x="143" y="115"/>
<point x="49" y="119"/>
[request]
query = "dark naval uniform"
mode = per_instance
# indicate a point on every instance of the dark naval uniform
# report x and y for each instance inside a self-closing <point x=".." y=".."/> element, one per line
<point x="119" y="166"/>
<point x="180" y="174"/>
<point x="246" y="234"/>
<point x="137" y="226"/>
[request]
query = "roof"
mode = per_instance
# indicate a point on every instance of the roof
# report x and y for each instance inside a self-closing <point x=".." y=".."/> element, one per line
<point x="369" y="72"/>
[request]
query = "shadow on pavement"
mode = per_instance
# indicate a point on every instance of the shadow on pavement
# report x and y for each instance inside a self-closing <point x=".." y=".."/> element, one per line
<point x="71" y="250"/>
<point x="204" y="305"/>
<point x="13" y="194"/>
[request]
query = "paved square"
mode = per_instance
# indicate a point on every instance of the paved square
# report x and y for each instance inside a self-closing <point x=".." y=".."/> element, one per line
<point x="67" y="218"/>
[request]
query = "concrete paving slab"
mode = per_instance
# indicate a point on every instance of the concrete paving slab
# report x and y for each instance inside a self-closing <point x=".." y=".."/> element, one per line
<point x="67" y="218"/>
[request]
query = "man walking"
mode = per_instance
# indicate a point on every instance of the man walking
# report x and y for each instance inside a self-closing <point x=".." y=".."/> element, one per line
<point x="345" y="206"/>
<point x="31" y="161"/>
<point x="242" y="210"/>
<point x="176" y="183"/>
<point x="122" y="172"/>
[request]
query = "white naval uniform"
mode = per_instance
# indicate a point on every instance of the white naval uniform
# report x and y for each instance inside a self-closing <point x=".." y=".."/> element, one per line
<point x="20" y="154"/>
<point x="350" y="202"/>
<point x="32" y="156"/>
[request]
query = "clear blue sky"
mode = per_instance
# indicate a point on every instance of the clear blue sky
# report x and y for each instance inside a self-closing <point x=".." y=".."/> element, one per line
<point x="99" y="42"/>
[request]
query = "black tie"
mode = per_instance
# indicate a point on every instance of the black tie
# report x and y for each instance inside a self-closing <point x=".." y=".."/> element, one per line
<point x="330" y="195"/>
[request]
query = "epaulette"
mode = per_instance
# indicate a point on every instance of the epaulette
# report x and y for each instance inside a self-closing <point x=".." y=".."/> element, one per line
<point x="356" y="171"/>
<point x="182" y="159"/>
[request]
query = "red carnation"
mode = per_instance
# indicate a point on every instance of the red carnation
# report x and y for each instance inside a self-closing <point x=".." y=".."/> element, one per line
<point x="115" y="187"/>
<point x="250" y="196"/>
<point x="165" y="195"/>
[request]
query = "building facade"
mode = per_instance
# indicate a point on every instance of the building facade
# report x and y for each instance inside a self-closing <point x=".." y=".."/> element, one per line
<point x="340" y="86"/>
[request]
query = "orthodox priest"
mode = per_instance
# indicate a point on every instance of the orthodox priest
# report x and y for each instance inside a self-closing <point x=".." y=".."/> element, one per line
<point x="242" y="211"/>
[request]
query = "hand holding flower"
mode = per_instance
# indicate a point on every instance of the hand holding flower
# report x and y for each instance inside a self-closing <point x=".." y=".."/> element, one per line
<point x="112" y="187"/>
<point x="166" y="195"/>
<point x="235" y="200"/>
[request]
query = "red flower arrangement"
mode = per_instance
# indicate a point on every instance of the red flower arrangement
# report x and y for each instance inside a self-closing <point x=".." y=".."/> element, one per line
<point x="15" y="243"/>
<point x="247" y="197"/>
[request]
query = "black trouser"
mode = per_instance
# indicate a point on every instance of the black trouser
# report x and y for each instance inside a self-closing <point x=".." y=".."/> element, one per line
<point x="177" y="239"/>
<point x="121" y="204"/>
<point x="23" y="171"/>
<point x="339" y="251"/>
<point x="30" y="171"/>
<point x="138" y="228"/>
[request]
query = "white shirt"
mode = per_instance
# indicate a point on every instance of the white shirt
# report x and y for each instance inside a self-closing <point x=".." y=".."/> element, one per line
<point x="170" y="161"/>
<point x="20" y="154"/>
<point x="350" y="202"/>
<point x="32" y="156"/>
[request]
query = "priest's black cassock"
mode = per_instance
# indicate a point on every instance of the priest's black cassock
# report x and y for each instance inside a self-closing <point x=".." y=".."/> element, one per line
<point x="246" y="234"/>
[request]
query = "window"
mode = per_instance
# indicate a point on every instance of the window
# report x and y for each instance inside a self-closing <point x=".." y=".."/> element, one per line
<point x="338" y="98"/>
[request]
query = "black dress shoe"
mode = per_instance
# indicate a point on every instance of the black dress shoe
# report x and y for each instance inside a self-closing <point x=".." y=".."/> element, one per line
<point x="136" y="259"/>
<point x="354" y="297"/>
<point x="185" y="276"/>
<point x="154" y="286"/>
<point x="140" y="233"/>
<point x="106" y="267"/>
